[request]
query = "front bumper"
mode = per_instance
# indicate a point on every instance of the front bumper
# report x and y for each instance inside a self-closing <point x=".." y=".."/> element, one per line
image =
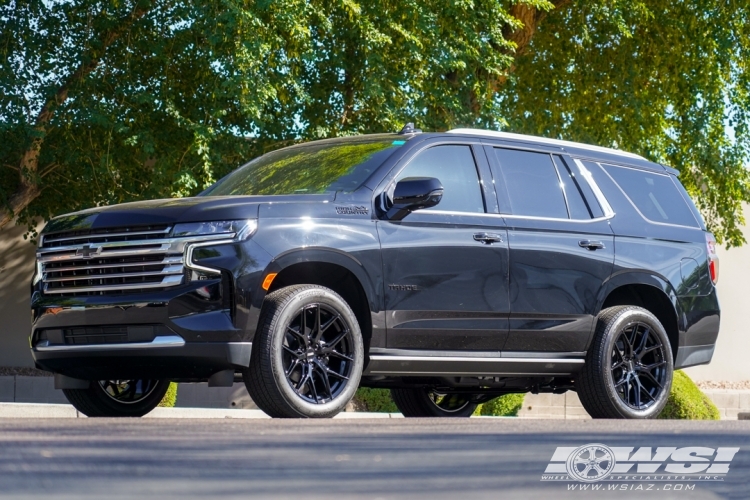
<point x="164" y="359"/>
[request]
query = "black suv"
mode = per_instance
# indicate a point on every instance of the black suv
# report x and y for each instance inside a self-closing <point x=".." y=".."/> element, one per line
<point x="451" y="268"/>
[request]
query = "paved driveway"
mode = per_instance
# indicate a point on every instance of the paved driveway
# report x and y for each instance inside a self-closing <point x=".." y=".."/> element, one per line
<point x="385" y="458"/>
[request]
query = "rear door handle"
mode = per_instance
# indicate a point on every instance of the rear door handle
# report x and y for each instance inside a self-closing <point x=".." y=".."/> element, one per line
<point x="488" y="238"/>
<point x="591" y="244"/>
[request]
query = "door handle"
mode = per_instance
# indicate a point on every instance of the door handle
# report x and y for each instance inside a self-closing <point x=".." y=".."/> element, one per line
<point x="591" y="244"/>
<point x="488" y="238"/>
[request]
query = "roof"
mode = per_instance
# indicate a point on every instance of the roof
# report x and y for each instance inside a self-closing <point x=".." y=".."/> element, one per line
<point x="544" y="140"/>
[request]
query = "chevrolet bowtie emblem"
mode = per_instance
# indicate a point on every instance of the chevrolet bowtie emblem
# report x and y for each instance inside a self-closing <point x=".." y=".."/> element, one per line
<point x="87" y="251"/>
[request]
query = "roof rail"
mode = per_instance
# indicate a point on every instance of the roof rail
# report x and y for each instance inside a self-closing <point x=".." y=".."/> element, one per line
<point x="532" y="138"/>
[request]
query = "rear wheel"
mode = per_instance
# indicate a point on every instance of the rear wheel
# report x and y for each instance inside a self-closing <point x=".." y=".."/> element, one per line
<point x="307" y="356"/>
<point x="431" y="403"/>
<point x="628" y="370"/>
<point x="118" y="398"/>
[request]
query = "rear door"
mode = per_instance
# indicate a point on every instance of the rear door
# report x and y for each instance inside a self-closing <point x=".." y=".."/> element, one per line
<point x="446" y="268"/>
<point x="561" y="249"/>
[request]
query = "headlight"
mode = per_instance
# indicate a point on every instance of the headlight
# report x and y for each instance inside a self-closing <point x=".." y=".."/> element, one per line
<point x="234" y="229"/>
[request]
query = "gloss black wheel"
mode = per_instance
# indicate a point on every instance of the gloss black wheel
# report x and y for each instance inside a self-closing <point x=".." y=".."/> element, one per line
<point x="628" y="370"/>
<point x="638" y="366"/>
<point x="430" y="403"/>
<point x="128" y="391"/>
<point x="307" y="355"/>
<point x="318" y="353"/>
<point x="118" y="398"/>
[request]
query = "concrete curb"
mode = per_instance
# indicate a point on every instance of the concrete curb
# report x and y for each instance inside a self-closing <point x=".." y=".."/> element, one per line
<point x="36" y="410"/>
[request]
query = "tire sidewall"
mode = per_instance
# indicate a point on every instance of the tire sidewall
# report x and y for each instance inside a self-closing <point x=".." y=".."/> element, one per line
<point x="287" y="313"/>
<point x="614" y="329"/>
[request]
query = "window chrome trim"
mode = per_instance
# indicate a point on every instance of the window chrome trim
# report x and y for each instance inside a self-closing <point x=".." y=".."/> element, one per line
<point x="512" y="216"/>
<point x="606" y="207"/>
<point x="160" y="341"/>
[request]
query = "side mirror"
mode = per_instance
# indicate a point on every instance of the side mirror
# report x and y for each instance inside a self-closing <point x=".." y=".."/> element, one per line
<point x="412" y="193"/>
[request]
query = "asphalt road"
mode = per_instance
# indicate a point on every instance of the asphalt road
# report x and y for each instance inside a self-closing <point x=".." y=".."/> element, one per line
<point x="369" y="459"/>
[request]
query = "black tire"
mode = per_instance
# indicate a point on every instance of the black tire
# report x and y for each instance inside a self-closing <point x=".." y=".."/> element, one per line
<point x="293" y="375"/>
<point x="428" y="403"/>
<point x="628" y="370"/>
<point x="118" y="398"/>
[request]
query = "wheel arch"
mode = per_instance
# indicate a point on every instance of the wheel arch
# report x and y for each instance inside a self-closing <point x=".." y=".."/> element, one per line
<point x="334" y="269"/>
<point x="651" y="292"/>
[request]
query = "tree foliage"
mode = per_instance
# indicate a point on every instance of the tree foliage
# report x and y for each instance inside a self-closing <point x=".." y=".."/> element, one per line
<point x="106" y="102"/>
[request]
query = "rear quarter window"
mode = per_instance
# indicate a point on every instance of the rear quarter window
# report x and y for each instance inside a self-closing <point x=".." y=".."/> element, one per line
<point x="654" y="195"/>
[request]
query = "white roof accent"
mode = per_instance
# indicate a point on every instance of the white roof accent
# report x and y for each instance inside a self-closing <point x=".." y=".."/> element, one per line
<point x="545" y="140"/>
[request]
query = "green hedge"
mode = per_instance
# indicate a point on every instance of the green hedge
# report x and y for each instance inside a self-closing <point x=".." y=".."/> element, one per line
<point x="374" y="400"/>
<point x="687" y="402"/>
<point x="379" y="401"/>
<point x="170" y="398"/>
<point x="504" y="406"/>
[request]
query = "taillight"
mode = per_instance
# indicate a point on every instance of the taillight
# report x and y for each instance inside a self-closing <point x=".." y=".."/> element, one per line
<point x="713" y="259"/>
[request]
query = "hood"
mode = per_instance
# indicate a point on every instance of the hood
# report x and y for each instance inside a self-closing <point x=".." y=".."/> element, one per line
<point x="171" y="211"/>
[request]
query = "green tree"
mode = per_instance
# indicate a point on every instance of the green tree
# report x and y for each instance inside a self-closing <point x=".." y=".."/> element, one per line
<point x="110" y="101"/>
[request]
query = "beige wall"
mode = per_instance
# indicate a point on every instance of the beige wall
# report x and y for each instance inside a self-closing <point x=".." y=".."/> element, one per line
<point x="730" y="360"/>
<point x="16" y="269"/>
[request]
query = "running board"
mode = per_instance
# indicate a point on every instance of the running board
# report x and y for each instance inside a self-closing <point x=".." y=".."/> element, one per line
<point x="468" y="366"/>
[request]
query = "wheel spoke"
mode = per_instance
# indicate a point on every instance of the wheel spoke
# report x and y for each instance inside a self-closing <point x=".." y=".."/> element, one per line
<point x="341" y="336"/>
<point x="340" y="355"/>
<point x="295" y="364"/>
<point x="652" y="366"/>
<point x="637" y="392"/>
<point x="623" y="380"/>
<point x="643" y="388"/>
<point x="644" y="339"/>
<point x="324" y="375"/>
<point x="292" y="352"/>
<point x="319" y="330"/>
<point x="648" y="350"/>
<point x="330" y="322"/>
<point x="297" y="334"/>
<point x="653" y="379"/>
<point x="335" y="374"/>
<point x="305" y="377"/>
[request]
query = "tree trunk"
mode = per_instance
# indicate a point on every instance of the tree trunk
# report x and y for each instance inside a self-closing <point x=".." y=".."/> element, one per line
<point x="28" y="188"/>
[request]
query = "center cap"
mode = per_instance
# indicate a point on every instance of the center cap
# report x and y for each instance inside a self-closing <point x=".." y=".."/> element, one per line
<point x="310" y="354"/>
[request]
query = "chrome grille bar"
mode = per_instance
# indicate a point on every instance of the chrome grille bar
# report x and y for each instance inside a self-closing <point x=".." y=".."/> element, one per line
<point x="163" y="272"/>
<point x="166" y="282"/>
<point x="164" y="262"/>
<point x="104" y="235"/>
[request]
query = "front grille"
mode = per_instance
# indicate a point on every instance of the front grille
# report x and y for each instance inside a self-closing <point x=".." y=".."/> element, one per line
<point x="110" y="261"/>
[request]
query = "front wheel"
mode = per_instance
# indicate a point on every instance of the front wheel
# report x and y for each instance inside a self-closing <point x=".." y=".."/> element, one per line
<point x="628" y="370"/>
<point x="430" y="403"/>
<point x="118" y="398"/>
<point x="307" y="356"/>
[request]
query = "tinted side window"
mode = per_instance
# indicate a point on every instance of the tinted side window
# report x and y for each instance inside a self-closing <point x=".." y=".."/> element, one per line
<point x="454" y="166"/>
<point x="655" y="196"/>
<point x="576" y="203"/>
<point x="533" y="186"/>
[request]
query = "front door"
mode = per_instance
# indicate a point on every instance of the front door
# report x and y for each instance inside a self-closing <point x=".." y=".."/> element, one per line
<point x="446" y="268"/>
<point x="561" y="250"/>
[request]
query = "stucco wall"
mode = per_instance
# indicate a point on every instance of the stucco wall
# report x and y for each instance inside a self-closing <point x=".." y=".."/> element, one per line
<point x="16" y="269"/>
<point x="730" y="359"/>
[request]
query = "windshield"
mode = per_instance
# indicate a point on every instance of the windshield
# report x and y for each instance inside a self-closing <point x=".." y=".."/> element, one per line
<point x="313" y="168"/>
